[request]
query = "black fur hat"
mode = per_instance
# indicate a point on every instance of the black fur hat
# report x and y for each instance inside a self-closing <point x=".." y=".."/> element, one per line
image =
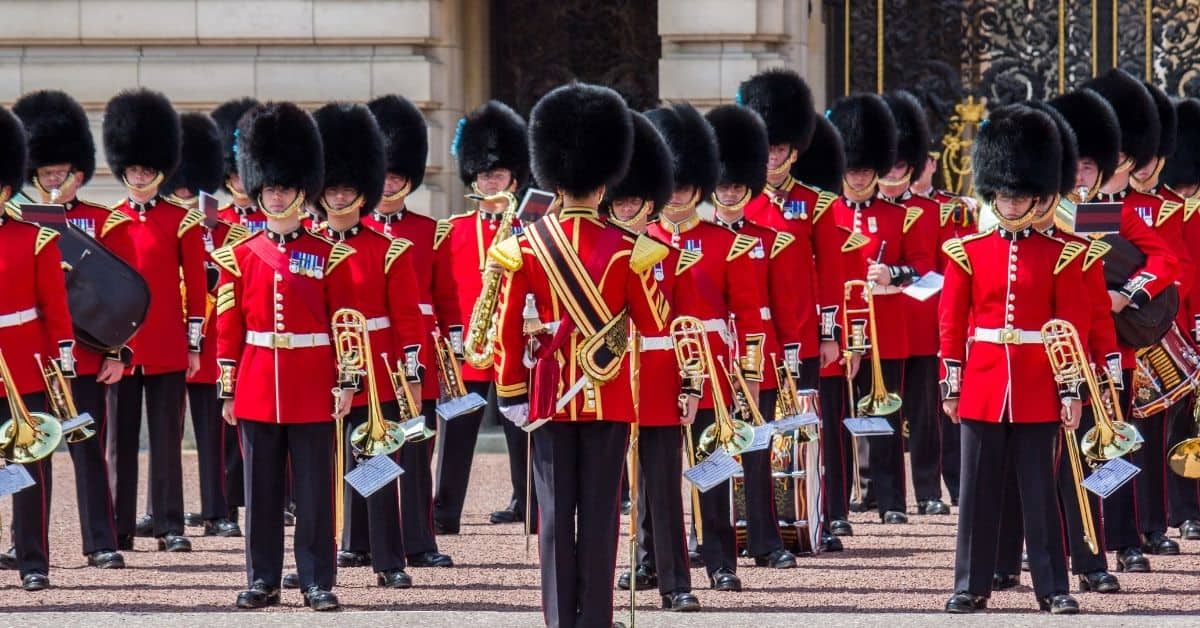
<point x="354" y="154"/>
<point x="12" y="152"/>
<point x="1136" y="113"/>
<point x="1168" y="123"/>
<point x="227" y="116"/>
<point x="912" y="130"/>
<point x="741" y="146"/>
<point x="141" y="128"/>
<point x="785" y="103"/>
<point x="1070" y="146"/>
<point x="693" y="146"/>
<point x="1183" y="168"/>
<point x="58" y="132"/>
<point x="650" y="176"/>
<point x="868" y="132"/>
<point x="1097" y="131"/>
<point x="580" y="138"/>
<point x="492" y="136"/>
<point x="1018" y="152"/>
<point x="202" y="167"/>
<point x="405" y="137"/>
<point x="824" y="163"/>
<point x="279" y="144"/>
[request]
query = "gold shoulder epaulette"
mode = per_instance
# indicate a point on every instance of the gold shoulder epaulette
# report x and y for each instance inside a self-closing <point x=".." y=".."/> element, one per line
<point x="1166" y="211"/>
<point x="975" y="236"/>
<point x="443" y="230"/>
<point x="854" y="242"/>
<point x="45" y="236"/>
<point x="646" y="253"/>
<point x="1189" y="208"/>
<point x="236" y="234"/>
<point x="911" y="216"/>
<point x="945" y="211"/>
<point x="954" y="249"/>
<point x="396" y="248"/>
<point x="508" y="254"/>
<point x="824" y="200"/>
<point x="225" y="258"/>
<point x="1070" y="251"/>
<point x="1095" y="250"/>
<point x="193" y="218"/>
<point x="115" y="219"/>
<point x="687" y="259"/>
<point x="338" y="255"/>
<point x="782" y="241"/>
<point x="741" y="245"/>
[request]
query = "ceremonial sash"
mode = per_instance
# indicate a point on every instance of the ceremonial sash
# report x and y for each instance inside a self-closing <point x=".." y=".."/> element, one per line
<point x="309" y="291"/>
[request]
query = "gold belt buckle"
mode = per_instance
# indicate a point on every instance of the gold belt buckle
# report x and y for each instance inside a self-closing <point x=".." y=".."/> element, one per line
<point x="282" y="341"/>
<point x="1009" y="336"/>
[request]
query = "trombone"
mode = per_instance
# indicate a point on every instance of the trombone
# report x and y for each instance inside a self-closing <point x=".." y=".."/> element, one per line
<point x="695" y="360"/>
<point x="62" y="401"/>
<point x="28" y="436"/>
<point x="376" y="435"/>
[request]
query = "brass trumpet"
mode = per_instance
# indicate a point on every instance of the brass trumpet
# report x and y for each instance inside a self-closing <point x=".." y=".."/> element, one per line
<point x="457" y="400"/>
<point x="479" y="344"/>
<point x="789" y="402"/>
<point x="745" y="405"/>
<point x="410" y="406"/>
<point x="62" y="402"/>
<point x="879" y="402"/>
<point x="28" y="436"/>
<point x="376" y="435"/>
<point x="695" y="360"/>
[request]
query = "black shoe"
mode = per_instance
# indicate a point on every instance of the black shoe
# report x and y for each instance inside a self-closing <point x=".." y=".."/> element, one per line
<point x="1099" y="581"/>
<point x="779" y="559"/>
<point x="259" y="595"/>
<point x="894" y="517"/>
<point x="1132" y="559"/>
<point x="508" y="515"/>
<point x="725" y="580"/>
<point x="831" y="543"/>
<point x="1002" y="581"/>
<point x="963" y="602"/>
<point x="444" y="527"/>
<point x="35" y="581"/>
<point x="933" y="507"/>
<point x="233" y="514"/>
<point x="8" y="559"/>
<point x="124" y="542"/>
<point x="393" y="579"/>
<point x="430" y="559"/>
<point x="193" y="519"/>
<point x="866" y="505"/>
<point x="1061" y="604"/>
<point x="222" y="527"/>
<point x="289" y="520"/>
<point x="695" y="560"/>
<point x="106" y="559"/>
<point x="174" y="543"/>
<point x="319" y="599"/>
<point x="144" y="527"/>
<point x="681" y="602"/>
<point x="291" y="580"/>
<point x="1024" y="561"/>
<point x="626" y="506"/>
<point x="1190" y="530"/>
<point x="346" y="558"/>
<point x="645" y="578"/>
<point x="841" y="527"/>
<point x="1158" y="543"/>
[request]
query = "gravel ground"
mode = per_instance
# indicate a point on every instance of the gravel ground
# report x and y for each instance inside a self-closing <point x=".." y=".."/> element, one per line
<point x="893" y="569"/>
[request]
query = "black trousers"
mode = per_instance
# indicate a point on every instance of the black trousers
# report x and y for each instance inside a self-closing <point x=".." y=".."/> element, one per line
<point x="31" y="506"/>
<point x="267" y="447"/>
<point x="717" y="542"/>
<point x="886" y="453"/>
<point x="1121" y="529"/>
<point x="577" y="470"/>
<point x="990" y="453"/>
<point x="373" y="523"/>
<point x="1150" y="486"/>
<point x="516" y="440"/>
<point x="662" y="541"/>
<point x="209" y="429"/>
<point x="923" y="413"/>
<point x="1012" y="530"/>
<point x="235" y="492"/>
<point x="836" y="449"/>
<point x="416" y="489"/>
<point x="458" y="452"/>
<point x="1183" y="498"/>
<point x="164" y="412"/>
<point x="762" y="520"/>
<point x="92" y="492"/>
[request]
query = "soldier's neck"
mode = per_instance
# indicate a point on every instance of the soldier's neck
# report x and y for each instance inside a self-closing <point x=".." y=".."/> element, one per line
<point x="893" y="193"/>
<point x="1115" y="184"/>
<point x="729" y="217"/>
<point x="343" y="222"/>
<point x="284" y="226"/>
<point x="142" y="197"/>
<point x="388" y="208"/>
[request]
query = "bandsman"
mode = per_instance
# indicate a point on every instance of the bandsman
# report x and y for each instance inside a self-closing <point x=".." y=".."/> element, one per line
<point x="241" y="209"/>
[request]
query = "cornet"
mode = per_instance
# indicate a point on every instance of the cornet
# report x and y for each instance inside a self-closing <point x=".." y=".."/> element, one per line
<point x="62" y="402"/>
<point x="695" y="360"/>
<point x="28" y="436"/>
<point x="879" y="402"/>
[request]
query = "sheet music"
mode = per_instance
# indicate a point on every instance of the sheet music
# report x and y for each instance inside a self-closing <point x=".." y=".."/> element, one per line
<point x="83" y="420"/>
<point x="868" y="426"/>
<point x="714" y="470"/>
<point x="1109" y="477"/>
<point x="14" y="477"/>
<point x="762" y="437"/>
<point x="373" y="474"/>
<point x="789" y="423"/>
<point x="459" y="406"/>
<point x="414" y="424"/>
<point x="928" y="285"/>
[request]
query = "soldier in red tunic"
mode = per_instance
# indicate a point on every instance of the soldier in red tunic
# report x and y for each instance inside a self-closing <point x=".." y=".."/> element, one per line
<point x="142" y="144"/>
<point x="34" y="321"/>
<point x="241" y="209"/>
<point x="275" y="301"/>
<point x="1000" y="288"/>
<point x="62" y="158"/>
<point x="406" y="142"/>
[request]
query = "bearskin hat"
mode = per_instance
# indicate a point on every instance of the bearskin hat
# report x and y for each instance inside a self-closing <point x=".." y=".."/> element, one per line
<point x="141" y="128"/>
<point x="693" y="146"/>
<point x="580" y="138"/>
<point x="405" y="137"/>
<point x="1097" y="131"/>
<point x="58" y="132"/>
<point x="12" y="151"/>
<point x="785" y="103"/>
<point x="1070" y="146"/>
<point x="650" y="176"/>
<point x="279" y="144"/>
<point x="912" y="130"/>
<point x="354" y="154"/>
<point x="741" y="146"/>
<point x="1167" y="121"/>
<point x="492" y="136"/>
<point x="1018" y="152"/>
<point x="1136" y="114"/>
<point x="1183" y="168"/>
<point x="202" y="167"/>
<point x="824" y="163"/>
<point x="226" y="117"/>
<point x="868" y="132"/>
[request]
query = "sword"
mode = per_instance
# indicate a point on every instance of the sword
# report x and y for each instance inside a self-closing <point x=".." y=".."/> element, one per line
<point x="571" y="392"/>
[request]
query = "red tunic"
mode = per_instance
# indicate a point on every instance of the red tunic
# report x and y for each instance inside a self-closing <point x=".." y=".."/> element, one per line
<point x="1138" y="212"/>
<point x="922" y="315"/>
<point x="221" y="234"/>
<point x="1189" y="310"/>
<point x="251" y="217"/>
<point x="660" y="383"/>
<point x="34" y="318"/>
<point x="850" y="248"/>
<point x="110" y="228"/>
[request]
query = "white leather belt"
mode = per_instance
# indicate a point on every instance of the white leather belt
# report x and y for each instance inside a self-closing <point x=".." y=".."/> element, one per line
<point x="19" y="318"/>
<point x="765" y="312"/>
<point x="427" y="309"/>
<point x="1008" y="336"/>
<point x="657" y="343"/>
<point x="378" y="323"/>
<point x="272" y="340"/>
<point x="718" y="325"/>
